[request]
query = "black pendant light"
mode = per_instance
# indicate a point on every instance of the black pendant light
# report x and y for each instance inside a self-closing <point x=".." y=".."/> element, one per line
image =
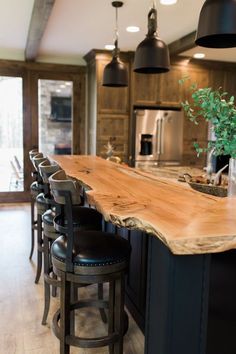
<point x="217" y="24"/>
<point x="152" y="54"/>
<point x="115" y="73"/>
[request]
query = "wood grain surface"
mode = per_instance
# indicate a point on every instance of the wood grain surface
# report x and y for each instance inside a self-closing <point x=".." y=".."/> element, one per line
<point x="187" y="221"/>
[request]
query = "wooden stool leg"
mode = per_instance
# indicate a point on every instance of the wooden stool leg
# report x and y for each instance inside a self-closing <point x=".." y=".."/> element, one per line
<point x="65" y="314"/>
<point x="111" y="312"/>
<point x="119" y="313"/>
<point x="32" y="227"/>
<point x="46" y="285"/>
<point x="73" y="299"/>
<point x="100" y="297"/>
<point x="54" y="288"/>
<point x="39" y="246"/>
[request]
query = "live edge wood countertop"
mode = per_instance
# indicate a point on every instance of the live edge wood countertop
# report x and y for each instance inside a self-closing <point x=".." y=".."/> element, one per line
<point x="186" y="221"/>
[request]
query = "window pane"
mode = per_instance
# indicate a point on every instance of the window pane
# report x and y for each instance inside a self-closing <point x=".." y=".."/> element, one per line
<point x="11" y="134"/>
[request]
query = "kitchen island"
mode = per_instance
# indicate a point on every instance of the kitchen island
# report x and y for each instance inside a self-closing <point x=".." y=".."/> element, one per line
<point x="186" y="228"/>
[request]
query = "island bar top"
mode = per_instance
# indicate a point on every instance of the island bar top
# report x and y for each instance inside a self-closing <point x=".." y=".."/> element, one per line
<point x="186" y="221"/>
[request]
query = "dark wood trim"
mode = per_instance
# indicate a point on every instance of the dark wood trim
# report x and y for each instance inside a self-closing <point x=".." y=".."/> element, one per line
<point x="182" y="44"/>
<point x="18" y="65"/>
<point x="41" y="12"/>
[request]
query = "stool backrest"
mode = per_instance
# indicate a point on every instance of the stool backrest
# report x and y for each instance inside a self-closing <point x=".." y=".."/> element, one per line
<point x="33" y="153"/>
<point x="61" y="184"/>
<point x="48" y="168"/>
<point x="37" y="159"/>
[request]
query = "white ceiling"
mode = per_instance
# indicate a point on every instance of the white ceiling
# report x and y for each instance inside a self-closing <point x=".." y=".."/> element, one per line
<point x="77" y="26"/>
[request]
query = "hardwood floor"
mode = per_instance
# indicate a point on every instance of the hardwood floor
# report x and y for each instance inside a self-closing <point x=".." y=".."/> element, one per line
<point x="21" y="300"/>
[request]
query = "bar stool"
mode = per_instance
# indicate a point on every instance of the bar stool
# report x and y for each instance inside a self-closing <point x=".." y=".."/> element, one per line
<point x="46" y="169"/>
<point x="35" y="189"/>
<point x="42" y="206"/>
<point x="86" y="257"/>
<point x="85" y="218"/>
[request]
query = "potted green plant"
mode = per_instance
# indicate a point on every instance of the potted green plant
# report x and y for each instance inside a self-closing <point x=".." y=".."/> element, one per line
<point x="215" y="107"/>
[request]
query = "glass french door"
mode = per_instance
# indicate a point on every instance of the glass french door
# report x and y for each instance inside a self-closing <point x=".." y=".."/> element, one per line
<point x="11" y="137"/>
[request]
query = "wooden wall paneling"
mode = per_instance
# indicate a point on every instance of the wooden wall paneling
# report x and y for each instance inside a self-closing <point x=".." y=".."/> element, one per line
<point x="230" y="82"/>
<point x="194" y="132"/>
<point x="169" y="91"/>
<point x="217" y="79"/>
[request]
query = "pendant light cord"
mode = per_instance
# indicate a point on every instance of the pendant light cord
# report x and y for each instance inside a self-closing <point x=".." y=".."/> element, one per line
<point x="116" y="50"/>
<point x="152" y="23"/>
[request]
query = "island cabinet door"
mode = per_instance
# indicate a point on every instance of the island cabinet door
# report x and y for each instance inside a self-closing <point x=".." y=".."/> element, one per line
<point x="177" y="302"/>
<point x="137" y="274"/>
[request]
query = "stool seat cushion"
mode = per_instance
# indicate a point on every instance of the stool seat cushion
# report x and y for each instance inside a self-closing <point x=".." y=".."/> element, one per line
<point x="40" y="199"/>
<point x="84" y="218"/>
<point x="93" y="249"/>
<point x="48" y="217"/>
<point x="35" y="187"/>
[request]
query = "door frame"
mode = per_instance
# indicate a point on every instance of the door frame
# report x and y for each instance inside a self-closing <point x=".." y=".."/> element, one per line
<point x="14" y="196"/>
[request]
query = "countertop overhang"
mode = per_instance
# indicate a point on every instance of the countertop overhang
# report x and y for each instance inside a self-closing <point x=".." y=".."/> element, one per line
<point x="186" y="221"/>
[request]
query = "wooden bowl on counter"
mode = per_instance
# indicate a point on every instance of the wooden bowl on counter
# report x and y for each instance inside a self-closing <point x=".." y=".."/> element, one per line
<point x="201" y="184"/>
<point x="218" y="191"/>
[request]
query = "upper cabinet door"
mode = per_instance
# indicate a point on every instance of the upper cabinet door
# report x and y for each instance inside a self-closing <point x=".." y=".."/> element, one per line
<point x="109" y="99"/>
<point x="145" y="89"/>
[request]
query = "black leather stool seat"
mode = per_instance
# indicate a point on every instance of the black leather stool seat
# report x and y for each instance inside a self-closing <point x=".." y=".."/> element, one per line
<point x="48" y="217"/>
<point x="48" y="224"/>
<point x="41" y="203"/>
<point x="93" y="249"/>
<point x="84" y="218"/>
<point x="35" y="188"/>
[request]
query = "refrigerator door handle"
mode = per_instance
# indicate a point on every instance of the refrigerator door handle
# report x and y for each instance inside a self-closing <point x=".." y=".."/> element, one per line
<point x="158" y="136"/>
<point x="162" y="135"/>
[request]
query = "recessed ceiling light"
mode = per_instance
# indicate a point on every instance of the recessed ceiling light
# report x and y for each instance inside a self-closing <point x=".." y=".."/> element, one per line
<point x="58" y="90"/>
<point x="68" y="83"/>
<point x="62" y="86"/>
<point x="109" y="46"/>
<point x="199" y="55"/>
<point x="133" y="29"/>
<point x="168" y="2"/>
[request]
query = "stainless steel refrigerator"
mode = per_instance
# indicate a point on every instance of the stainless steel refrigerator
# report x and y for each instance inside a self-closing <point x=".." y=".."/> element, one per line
<point x="158" y="137"/>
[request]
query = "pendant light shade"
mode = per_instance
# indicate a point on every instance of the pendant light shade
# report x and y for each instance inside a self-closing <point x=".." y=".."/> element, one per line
<point x="115" y="73"/>
<point x="217" y="24"/>
<point x="152" y="54"/>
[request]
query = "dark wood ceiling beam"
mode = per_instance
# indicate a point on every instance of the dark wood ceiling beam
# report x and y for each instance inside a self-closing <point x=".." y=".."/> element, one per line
<point x="40" y="15"/>
<point x="183" y="44"/>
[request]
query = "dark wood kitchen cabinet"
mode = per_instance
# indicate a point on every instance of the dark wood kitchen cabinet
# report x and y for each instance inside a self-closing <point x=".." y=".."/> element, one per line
<point x="137" y="275"/>
<point x="109" y="99"/>
<point x="145" y="89"/>
<point x="162" y="89"/>
<point x="108" y="108"/>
